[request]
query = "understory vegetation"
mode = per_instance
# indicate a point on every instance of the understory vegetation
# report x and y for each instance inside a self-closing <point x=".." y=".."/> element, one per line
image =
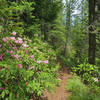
<point x="27" y="67"/>
<point x="36" y="36"/>
<point x="80" y="91"/>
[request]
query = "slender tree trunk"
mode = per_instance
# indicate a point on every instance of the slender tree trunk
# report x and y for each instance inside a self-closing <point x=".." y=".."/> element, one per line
<point x="46" y="31"/>
<point x="92" y="36"/>
<point x="67" y="27"/>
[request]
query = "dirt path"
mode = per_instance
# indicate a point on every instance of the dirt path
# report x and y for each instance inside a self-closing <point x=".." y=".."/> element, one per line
<point x="60" y="92"/>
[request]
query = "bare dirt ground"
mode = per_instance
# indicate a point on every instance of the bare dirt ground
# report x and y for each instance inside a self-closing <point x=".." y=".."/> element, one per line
<point x="60" y="92"/>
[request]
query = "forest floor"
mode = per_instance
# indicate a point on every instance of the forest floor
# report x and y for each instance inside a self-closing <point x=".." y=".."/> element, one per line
<point x="60" y="92"/>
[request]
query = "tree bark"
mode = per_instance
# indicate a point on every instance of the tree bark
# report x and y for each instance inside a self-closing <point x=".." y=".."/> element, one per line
<point x="68" y="18"/>
<point x="92" y="36"/>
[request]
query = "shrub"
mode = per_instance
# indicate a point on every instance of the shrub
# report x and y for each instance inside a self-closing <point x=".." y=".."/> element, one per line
<point x="89" y="73"/>
<point x="79" y="91"/>
<point x="26" y="67"/>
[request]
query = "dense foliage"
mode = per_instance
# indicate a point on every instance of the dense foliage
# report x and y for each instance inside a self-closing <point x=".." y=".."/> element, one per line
<point x="34" y="34"/>
<point x="79" y="91"/>
<point x="25" y="67"/>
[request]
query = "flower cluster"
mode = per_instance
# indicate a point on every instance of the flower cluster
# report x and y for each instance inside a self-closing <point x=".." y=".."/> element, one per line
<point x="24" y="63"/>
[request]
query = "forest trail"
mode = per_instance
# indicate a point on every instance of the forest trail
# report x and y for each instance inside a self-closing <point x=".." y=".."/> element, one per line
<point x="60" y="92"/>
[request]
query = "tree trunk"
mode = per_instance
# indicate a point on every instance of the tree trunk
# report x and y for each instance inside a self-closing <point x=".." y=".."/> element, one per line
<point x="67" y="27"/>
<point x="46" y="32"/>
<point x="92" y="36"/>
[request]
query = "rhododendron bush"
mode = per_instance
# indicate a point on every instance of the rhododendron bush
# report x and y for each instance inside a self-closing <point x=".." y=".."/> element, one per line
<point x="27" y="67"/>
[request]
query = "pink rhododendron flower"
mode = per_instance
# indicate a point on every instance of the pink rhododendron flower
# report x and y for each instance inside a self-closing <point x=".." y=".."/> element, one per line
<point x="1" y="56"/>
<point x="30" y="68"/>
<point x="4" y="39"/>
<point x="15" y="48"/>
<point x="2" y="88"/>
<point x="26" y="83"/>
<point x="32" y="56"/>
<point x="49" y="50"/>
<point x="11" y="51"/>
<point x="20" y="41"/>
<point x="10" y="45"/>
<point x="13" y="33"/>
<point x="6" y="81"/>
<point x="59" y="79"/>
<point x="26" y="52"/>
<point x="7" y="51"/>
<point x="0" y="45"/>
<point x="19" y="66"/>
<point x="13" y="38"/>
<point x="7" y="38"/>
<point x="21" y="47"/>
<point x="8" y="68"/>
<point x="39" y="61"/>
<point x="46" y="61"/>
<point x="25" y="45"/>
<point x="19" y="38"/>
<point x="16" y="41"/>
<point x="16" y="56"/>
<point x="34" y="59"/>
<point x="38" y="71"/>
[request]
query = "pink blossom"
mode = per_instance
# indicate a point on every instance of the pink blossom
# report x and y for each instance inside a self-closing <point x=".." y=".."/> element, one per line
<point x="16" y="41"/>
<point x="45" y="62"/>
<point x="13" y="33"/>
<point x="26" y="52"/>
<point x="1" y="56"/>
<point x="59" y="79"/>
<point x="15" y="48"/>
<point x="34" y="59"/>
<point x="0" y="45"/>
<point x="38" y="71"/>
<point x="20" y="41"/>
<point x="2" y="88"/>
<point x="49" y="50"/>
<point x="13" y="38"/>
<point x="7" y="51"/>
<point x="4" y="39"/>
<point x="10" y="45"/>
<point x="26" y="83"/>
<point x="30" y="68"/>
<point x="25" y="45"/>
<point x="11" y="51"/>
<point x="16" y="56"/>
<point x="19" y="38"/>
<point x="7" y="38"/>
<point x="39" y="61"/>
<point x="6" y="81"/>
<point x="19" y="66"/>
<point x="22" y="47"/>
<point x="7" y="67"/>
<point x="32" y="56"/>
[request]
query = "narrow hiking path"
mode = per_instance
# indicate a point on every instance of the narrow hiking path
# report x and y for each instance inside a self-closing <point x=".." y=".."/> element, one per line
<point x="60" y="92"/>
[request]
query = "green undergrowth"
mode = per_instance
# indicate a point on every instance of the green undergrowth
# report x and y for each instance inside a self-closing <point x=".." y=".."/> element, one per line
<point x="80" y="91"/>
<point x="27" y="67"/>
